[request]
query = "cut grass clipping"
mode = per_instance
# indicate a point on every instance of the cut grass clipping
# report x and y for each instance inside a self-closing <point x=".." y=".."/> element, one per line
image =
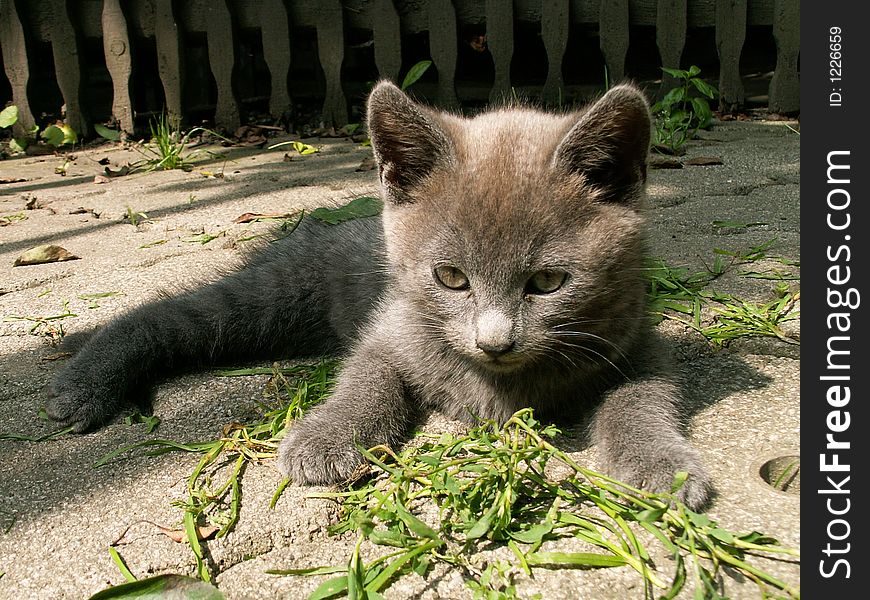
<point x="489" y="485"/>
<point x="289" y="392"/>
<point x="679" y="295"/>
<point x="676" y="291"/>
<point x="45" y="325"/>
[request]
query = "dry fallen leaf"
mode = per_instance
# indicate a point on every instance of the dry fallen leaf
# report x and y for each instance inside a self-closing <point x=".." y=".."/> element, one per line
<point x="203" y="532"/>
<point x="665" y="149"/>
<point x="367" y="164"/>
<point x="327" y="132"/>
<point x="250" y="135"/>
<point x="249" y="217"/>
<point x="664" y="162"/>
<point x="120" y="172"/>
<point x="731" y="116"/>
<point x="39" y="150"/>
<point x="12" y="179"/>
<point x="83" y="211"/>
<point x="44" y="254"/>
<point x="477" y="43"/>
<point x="781" y="117"/>
<point x="361" y="472"/>
<point x="703" y="161"/>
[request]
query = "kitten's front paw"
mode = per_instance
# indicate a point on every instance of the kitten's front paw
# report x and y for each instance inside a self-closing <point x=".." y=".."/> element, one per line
<point x="80" y="401"/>
<point x="314" y="455"/>
<point x="655" y="472"/>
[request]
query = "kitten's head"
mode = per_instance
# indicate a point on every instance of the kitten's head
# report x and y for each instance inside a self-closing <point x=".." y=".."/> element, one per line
<point x="516" y="235"/>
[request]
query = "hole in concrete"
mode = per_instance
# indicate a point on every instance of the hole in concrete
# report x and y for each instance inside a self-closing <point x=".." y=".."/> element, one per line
<point x="783" y="473"/>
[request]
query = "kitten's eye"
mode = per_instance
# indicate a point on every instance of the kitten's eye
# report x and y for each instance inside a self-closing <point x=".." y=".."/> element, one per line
<point x="451" y="277"/>
<point x="545" y="282"/>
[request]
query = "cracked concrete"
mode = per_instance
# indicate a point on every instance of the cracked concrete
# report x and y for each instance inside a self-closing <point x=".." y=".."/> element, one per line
<point x="58" y="515"/>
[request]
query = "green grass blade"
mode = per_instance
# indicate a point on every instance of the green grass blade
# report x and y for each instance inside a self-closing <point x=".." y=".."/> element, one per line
<point x="357" y="208"/>
<point x="308" y="571"/>
<point x="122" y="566"/>
<point x="355" y="575"/>
<point x="416" y="525"/>
<point x="193" y="540"/>
<point x="331" y="588"/>
<point x="38" y="438"/>
<point x="521" y="557"/>
<point x="161" y="445"/>
<point x="580" y="560"/>
<point x="278" y="491"/>
<point x="161" y="586"/>
<point x="397" y="564"/>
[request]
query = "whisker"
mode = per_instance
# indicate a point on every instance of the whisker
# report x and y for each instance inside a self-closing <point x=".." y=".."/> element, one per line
<point x="610" y="362"/>
<point x="586" y="334"/>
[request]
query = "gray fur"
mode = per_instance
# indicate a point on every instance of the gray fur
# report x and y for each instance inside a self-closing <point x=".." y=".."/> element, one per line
<point x="511" y="198"/>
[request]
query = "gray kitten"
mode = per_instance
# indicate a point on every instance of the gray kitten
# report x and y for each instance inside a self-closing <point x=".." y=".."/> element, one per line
<point x="505" y="272"/>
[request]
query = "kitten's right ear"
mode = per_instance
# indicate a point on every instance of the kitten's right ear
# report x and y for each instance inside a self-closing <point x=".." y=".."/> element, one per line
<point x="408" y="144"/>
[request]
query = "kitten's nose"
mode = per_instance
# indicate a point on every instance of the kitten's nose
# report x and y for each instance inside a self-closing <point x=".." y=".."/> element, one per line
<point x="494" y="333"/>
<point x="496" y="349"/>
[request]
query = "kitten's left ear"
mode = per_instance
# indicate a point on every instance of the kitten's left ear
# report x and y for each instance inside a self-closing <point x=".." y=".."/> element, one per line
<point x="407" y="140"/>
<point x="609" y="145"/>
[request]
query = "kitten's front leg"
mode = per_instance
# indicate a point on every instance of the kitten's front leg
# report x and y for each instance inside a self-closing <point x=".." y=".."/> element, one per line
<point x="637" y="432"/>
<point x="368" y="407"/>
<point x="251" y="314"/>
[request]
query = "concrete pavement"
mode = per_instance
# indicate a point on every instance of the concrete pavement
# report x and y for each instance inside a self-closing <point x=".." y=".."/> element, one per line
<point x="58" y="515"/>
